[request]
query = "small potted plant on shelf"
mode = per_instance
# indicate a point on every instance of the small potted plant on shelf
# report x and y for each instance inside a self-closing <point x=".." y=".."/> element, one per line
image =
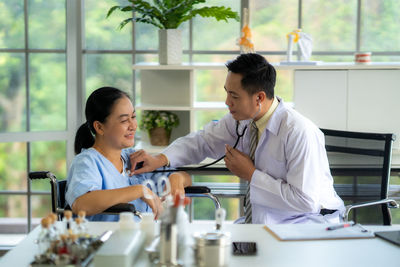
<point x="168" y="15"/>
<point x="159" y="125"/>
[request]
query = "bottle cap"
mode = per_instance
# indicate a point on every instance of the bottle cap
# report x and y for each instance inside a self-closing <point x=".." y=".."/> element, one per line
<point x="212" y="239"/>
<point x="126" y="220"/>
<point x="45" y="222"/>
<point x="67" y="214"/>
<point x="74" y="237"/>
<point x="82" y="213"/>
<point x="52" y="217"/>
<point x="64" y="237"/>
<point x="147" y="217"/>
<point x="126" y="216"/>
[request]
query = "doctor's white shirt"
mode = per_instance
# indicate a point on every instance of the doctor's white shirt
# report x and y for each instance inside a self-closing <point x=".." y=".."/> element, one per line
<point x="292" y="180"/>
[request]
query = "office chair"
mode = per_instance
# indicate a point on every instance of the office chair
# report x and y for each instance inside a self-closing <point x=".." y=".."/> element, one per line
<point x="366" y="158"/>
<point x="58" y="189"/>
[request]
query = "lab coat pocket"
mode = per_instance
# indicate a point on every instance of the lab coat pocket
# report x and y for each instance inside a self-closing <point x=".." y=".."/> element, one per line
<point x="274" y="167"/>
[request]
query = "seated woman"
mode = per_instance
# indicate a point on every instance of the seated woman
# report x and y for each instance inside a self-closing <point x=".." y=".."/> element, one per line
<point x="97" y="178"/>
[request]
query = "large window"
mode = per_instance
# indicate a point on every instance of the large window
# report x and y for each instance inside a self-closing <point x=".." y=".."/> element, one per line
<point x="54" y="53"/>
<point x="33" y="112"/>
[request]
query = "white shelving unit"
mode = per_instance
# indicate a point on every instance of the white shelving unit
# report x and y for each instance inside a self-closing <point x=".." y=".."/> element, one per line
<point x="354" y="98"/>
<point x="172" y="88"/>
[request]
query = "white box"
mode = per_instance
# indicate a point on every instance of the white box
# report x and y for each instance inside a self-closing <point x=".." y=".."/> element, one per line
<point x="120" y="249"/>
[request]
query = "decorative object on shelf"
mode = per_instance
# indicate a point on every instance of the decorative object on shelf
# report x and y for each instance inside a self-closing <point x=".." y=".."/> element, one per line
<point x="159" y="125"/>
<point x="362" y="58"/>
<point x="245" y="43"/>
<point x="305" y="43"/>
<point x="168" y="16"/>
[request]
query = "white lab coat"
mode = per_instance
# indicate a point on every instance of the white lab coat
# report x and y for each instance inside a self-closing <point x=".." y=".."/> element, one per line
<point x="292" y="181"/>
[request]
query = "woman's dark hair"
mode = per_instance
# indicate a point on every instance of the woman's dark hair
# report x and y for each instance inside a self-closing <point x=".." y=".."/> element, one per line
<point x="258" y="74"/>
<point x="98" y="108"/>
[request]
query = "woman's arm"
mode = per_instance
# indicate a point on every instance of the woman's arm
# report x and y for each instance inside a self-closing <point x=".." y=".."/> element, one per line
<point x="179" y="180"/>
<point x="95" y="202"/>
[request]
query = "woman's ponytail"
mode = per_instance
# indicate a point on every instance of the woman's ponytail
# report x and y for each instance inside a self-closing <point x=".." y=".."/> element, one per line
<point x="83" y="138"/>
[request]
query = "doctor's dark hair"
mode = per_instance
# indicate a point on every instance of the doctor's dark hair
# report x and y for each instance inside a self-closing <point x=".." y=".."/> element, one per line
<point x="258" y="74"/>
<point x="98" y="108"/>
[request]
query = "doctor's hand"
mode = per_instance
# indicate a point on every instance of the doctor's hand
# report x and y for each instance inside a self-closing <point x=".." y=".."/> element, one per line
<point x="150" y="162"/>
<point x="239" y="163"/>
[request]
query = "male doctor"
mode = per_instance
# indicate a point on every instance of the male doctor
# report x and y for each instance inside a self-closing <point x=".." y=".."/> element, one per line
<point x="281" y="154"/>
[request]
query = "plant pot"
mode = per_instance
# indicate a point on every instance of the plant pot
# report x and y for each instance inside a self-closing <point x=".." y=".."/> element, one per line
<point x="159" y="136"/>
<point x="169" y="46"/>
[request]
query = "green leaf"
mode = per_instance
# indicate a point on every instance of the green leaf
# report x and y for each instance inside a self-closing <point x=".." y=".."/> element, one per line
<point x="111" y="10"/>
<point x="127" y="8"/>
<point x="124" y="22"/>
<point x="218" y="12"/>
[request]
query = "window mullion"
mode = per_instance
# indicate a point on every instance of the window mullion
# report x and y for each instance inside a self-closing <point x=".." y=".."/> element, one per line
<point x="358" y="27"/>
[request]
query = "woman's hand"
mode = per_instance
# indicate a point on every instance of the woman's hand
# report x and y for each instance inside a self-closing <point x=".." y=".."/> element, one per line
<point x="178" y="181"/>
<point x="153" y="201"/>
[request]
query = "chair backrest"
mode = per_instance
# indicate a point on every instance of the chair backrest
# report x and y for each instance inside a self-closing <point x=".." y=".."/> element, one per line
<point x="57" y="191"/>
<point x="360" y="163"/>
<point x="61" y="189"/>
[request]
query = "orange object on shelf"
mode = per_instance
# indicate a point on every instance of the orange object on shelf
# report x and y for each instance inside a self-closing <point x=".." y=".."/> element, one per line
<point x="245" y="43"/>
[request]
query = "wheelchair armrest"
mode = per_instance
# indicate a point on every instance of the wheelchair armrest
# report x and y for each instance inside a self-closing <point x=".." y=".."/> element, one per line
<point x="197" y="190"/>
<point x="121" y="207"/>
<point x="202" y="191"/>
<point x="390" y="202"/>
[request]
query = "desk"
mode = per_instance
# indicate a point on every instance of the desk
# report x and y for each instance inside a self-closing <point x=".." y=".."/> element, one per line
<point x="271" y="252"/>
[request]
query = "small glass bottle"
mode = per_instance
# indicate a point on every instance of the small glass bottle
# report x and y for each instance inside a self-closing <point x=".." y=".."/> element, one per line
<point x="82" y="215"/>
<point x="63" y="245"/>
<point x="80" y="228"/>
<point x="74" y="249"/>
<point x="53" y="224"/>
<point x="67" y="221"/>
<point x="45" y="238"/>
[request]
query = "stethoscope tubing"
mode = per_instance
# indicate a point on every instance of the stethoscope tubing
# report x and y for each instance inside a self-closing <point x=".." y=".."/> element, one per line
<point x="208" y="164"/>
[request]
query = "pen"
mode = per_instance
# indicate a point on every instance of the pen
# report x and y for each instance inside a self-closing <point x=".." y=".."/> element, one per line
<point x="344" y="225"/>
<point x="362" y="228"/>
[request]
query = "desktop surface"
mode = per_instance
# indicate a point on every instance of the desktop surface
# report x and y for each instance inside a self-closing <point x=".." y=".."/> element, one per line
<point x="271" y="252"/>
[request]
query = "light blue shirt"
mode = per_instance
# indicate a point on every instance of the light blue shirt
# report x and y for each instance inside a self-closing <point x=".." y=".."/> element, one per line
<point x="292" y="181"/>
<point x="90" y="171"/>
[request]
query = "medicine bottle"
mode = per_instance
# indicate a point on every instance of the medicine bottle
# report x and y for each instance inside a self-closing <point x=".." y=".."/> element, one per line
<point x="45" y="237"/>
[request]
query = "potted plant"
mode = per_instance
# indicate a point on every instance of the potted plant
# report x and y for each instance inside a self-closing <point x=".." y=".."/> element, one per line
<point x="159" y="125"/>
<point x="167" y="15"/>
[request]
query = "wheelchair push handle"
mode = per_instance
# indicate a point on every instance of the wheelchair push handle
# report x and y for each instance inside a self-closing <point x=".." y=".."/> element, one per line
<point x="40" y="175"/>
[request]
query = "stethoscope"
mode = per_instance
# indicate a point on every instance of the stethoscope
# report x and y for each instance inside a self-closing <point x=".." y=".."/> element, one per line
<point x="239" y="135"/>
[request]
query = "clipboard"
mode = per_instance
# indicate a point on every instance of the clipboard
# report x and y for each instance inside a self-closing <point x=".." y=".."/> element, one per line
<point x="391" y="236"/>
<point x="304" y="232"/>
